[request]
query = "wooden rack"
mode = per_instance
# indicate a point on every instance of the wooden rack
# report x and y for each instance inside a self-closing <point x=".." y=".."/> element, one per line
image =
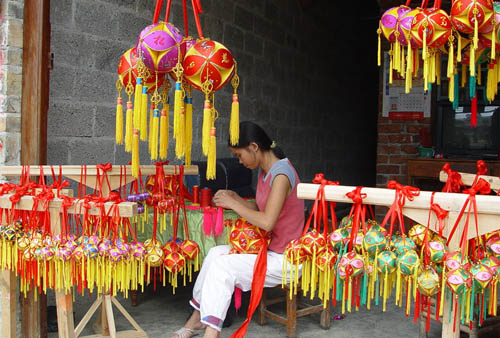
<point x="117" y="176"/>
<point x="418" y="210"/>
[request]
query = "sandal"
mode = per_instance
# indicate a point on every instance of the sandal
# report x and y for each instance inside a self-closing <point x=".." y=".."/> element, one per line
<point x="185" y="332"/>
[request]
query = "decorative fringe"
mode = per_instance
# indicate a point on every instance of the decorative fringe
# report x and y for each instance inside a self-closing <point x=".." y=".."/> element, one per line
<point x="135" y="153"/>
<point x="164" y="131"/>
<point x="409" y="66"/>
<point x="493" y="40"/>
<point x="179" y="141"/>
<point x="177" y="108"/>
<point x="128" y="127"/>
<point x="150" y="137"/>
<point x="472" y="61"/>
<point x="451" y="59"/>
<point x="219" y="222"/>
<point x="119" y="121"/>
<point x="475" y="40"/>
<point x="211" y="155"/>
<point x="479" y="74"/>
<point x="144" y="114"/>
<point x="207" y="222"/>
<point x="234" y="123"/>
<point x="379" y="49"/>
<point x="137" y="103"/>
<point x="425" y="56"/>
<point x="390" y="65"/>
<point x="464" y="76"/>
<point x="237" y="298"/>
<point x="188" y="141"/>
<point x="154" y="136"/>
<point x="205" y="129"/>
<point x="455" y="96"/>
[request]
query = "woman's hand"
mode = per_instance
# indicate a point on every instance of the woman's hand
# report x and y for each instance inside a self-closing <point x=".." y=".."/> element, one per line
<point x="225" y="198"/>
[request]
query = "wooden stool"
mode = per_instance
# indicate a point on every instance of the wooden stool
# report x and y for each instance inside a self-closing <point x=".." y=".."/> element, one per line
<point x="295" y="308"/>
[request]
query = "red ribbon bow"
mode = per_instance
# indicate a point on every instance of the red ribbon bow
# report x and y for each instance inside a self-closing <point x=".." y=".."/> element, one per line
<point x="359" y="211"/>
<point x="454" y="181"/>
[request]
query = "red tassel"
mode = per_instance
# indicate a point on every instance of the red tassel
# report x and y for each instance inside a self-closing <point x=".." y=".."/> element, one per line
<point x="219" y="222"/>
<point x="259" y="276"/>
<point x="237" y="298"/>
<point x="473" y="108"/>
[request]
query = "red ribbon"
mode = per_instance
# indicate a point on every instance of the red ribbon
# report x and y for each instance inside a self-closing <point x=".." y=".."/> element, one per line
<point x="358" y="209"/>
<point x="481" y="187"/>
<point x="454" y="181"/>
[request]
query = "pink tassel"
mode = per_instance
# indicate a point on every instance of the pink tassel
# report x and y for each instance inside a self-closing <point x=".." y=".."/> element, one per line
<point x="237" y="298"/>
<point x="207" y="222"/>
<point x="219" y="222"/>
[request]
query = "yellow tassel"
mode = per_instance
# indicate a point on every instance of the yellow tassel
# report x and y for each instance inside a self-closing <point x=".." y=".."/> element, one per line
<point x="493" y="40"/>
<point x="119" y="121"/>
<point x="402" y="67"/>
<point x="472" y="61"/>
<point x="479" y="78"/>
<point x="137" y="103"/>
<point x="451" y="60"/>
<point x="128" y="127"/>
<point x="154" y="132"/>
<point x="205" y="130"/>
<point x="390" y="66"/>
<point x="234" y="123"/>
<point x="379" y="49"/>
<point x="397" y="56"/>
<point x="451" y="88"/>
<point x="211" y="155"/>
<point x="416" y="56"/>
<point x="164" y="132"/>
<point x="135" y="153"/>
<point x="188" y="129"/>
<point x="459" y="48"/>
<point x="179" y="141"/>
<point x="437" y="73"/>
<point x="475" y="11"/>
<point x="144" y="114"/>
<point x="177" y="107"/>
<point x="464" y="77"/>
<point x="150" y="137"/>
<point x="409" y="63"/>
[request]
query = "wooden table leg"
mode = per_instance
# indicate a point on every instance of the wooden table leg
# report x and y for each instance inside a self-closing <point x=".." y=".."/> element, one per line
<point x="30" y="314"/>
<point x="8" y="284"/>
<point x="133" y="297"/>
<point x="65" y="323"/>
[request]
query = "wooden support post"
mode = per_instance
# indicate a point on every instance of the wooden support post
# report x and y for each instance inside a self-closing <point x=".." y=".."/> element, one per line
<point x="9" y="291"/>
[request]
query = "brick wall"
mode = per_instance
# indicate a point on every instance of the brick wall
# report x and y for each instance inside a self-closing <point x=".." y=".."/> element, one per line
<point x="300" y="79"/>
<point x="11" y="49"/>
<point x="397" y="142"/>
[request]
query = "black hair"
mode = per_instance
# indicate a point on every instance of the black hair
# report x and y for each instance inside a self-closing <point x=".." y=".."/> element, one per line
<point x="252" y="132"/>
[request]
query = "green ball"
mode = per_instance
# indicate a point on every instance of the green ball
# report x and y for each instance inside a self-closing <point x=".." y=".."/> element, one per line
<point x="409" y="262"/>
<point x="373" y="241"/>
<point x="386" y="262"/>
<point x="404" y="245"/>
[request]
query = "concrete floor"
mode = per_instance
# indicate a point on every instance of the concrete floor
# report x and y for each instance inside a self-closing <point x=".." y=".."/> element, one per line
<point x="160" y="313"/>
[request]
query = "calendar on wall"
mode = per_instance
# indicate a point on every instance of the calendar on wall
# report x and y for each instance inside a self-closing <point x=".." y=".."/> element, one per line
<point x="398" y="105"/>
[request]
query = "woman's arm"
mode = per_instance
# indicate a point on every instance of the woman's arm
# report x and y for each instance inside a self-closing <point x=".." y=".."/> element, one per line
<point x="267" y="218"/>
<point x="229" y="193"/>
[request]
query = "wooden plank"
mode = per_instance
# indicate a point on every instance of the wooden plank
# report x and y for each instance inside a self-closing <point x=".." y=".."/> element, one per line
<point x="75" y="170"/>
<point x="88" y="315"/>
<point x="8" y="281"/>
<point x="126" y="209"/>
<point x="468" y="179"/>
<point x="110" y="316"/>
<point x="488" y="206"/>
<point x="123" y="334"/>
<point x="126" y="314"/>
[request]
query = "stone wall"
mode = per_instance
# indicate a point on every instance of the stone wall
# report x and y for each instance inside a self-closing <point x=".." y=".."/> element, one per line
<point x="305" y="77"/>
<point x="11" y="51"/>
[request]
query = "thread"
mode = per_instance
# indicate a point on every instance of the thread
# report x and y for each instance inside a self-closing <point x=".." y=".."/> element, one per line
<point x="205" y="197"/>
<point x="196" y="194"/>
<point x="137" y="103"/>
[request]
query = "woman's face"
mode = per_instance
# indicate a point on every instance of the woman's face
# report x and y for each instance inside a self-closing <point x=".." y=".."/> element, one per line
<point x="247" y="156"/>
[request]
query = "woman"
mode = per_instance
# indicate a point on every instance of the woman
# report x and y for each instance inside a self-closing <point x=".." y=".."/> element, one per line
<point x="277" y="209"/>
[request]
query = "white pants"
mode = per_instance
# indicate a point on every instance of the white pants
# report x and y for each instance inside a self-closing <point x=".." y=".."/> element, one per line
<point x="220" y="273"/>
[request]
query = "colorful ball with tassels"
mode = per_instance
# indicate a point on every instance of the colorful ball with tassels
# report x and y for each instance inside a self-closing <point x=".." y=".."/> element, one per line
<point x="351" y="264"/>
<point x="247" y="238"/>
<point x="428" y="281"/>
<point x="459" y="280"/>
<point x="159" y="46"/>
<point x="472" y="16"/>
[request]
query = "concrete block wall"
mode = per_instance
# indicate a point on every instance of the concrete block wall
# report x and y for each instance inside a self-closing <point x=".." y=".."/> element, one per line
<point x="299" y="73"/>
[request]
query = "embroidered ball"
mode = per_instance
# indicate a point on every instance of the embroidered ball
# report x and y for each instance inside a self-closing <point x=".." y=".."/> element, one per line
<point x="158" y="45"/>
<point x="326" y="261"/>
<point x="190" y="249"/>
<point x="294" y="252"/>
<point x="386" y="262"/>
<point x="437" y="251"/>
<point x="454" y="260"/>
<point x="314" y="243"/>
<point x="463" y="17"/>
<point x="435" y="23"/>
<point x="339" y="237"/>
<point x="174" y="262"/>
<point x="409" y="262"/>
<point x="208" y="61"/>
<point x="482" y="276"/>
<point x="374" y="242"/>
<point x="459" y="280"/>
<point x="154" y="256"/>
<point x="138" y="250"/>
<point x="247" y="238"/>
<point x="428" y="282"/>
<point x="351" y="264"/>
<point x="417" y="234"/>
<point x="404" y="245"/>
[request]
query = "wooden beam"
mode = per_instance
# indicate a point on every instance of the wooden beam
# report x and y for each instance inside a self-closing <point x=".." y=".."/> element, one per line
<point x="468" y="179"/>
<point x="35" y="87"/>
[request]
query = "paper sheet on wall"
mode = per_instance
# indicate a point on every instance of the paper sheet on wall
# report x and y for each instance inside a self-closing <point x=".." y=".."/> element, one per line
<point x="394" y="98"/>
